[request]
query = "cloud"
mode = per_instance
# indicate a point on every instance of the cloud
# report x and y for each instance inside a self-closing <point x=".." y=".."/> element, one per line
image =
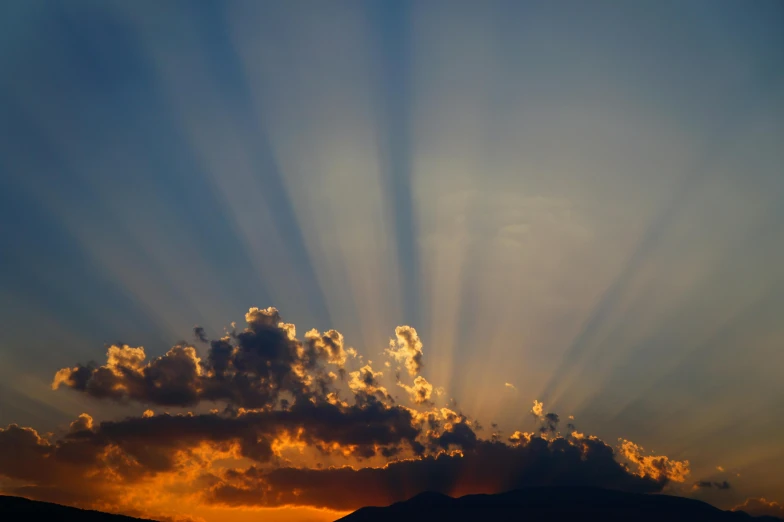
<point x="707" y="484"/>
<point x="83" y="422"/>
<point x="659" y="467"/>
<point x="488" y="466"/>
<point x="62" y="472"/>
<point x="329" y="343"/>
<point x="457" y="435"/>
<point x="420" y="392"/>
<point x="364" y="383"/>
<point x="538" y="409"/>
<point x="407" y="349"/>
<point x="360" y="430"/>
<point x="177" y="518"/>
<point x="550" y="423"/>
<point x="101" y="459"/>
<point x="251" y="368"/>
<point x="521" y="436"/>
<point x="200" y="334"/>
<point x="761" y="507"/>
<point x="277" y="397"/>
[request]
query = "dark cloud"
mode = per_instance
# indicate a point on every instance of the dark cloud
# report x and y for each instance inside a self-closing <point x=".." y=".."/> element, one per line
<point x="251" y="368"/>
<point x="200" y="334"/>
<point x="458" y="435"/>
<point x="366" y="430"/>
<point x="550" y="423"/>
<point x="718" y="485"/>
<point x="171" y="380"/>
<point x="487" y="467"/>
<point x="707" y="484"/>
<point x="98" y="460"/>
<point x="63" y="472"/>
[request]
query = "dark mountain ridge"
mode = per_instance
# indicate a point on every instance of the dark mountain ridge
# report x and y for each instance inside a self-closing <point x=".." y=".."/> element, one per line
<point x="18" y="508"/>
<point x="552" y="504"/>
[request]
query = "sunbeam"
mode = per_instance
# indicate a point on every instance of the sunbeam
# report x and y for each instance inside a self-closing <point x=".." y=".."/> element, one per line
<point x="512" y="235"/>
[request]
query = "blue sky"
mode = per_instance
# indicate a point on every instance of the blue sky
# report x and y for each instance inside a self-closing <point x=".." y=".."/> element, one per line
<point x="583" y="199"/>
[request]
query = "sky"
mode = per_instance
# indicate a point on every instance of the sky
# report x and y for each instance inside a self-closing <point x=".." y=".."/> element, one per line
<point x="522" y="243"/>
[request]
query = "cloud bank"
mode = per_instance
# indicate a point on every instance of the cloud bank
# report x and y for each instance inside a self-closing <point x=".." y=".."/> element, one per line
<point x="295" y="421"/>
<point x="759" y="507"/>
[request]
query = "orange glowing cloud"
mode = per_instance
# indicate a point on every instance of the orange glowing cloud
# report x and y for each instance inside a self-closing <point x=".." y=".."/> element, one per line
<point x="407" y="349"/>
<point x="659" y="467"/>
<point x="420" y="392"/>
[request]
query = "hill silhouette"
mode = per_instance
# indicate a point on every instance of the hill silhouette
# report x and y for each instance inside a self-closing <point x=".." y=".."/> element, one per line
<point x="552" y="504"/>
<point x="14" y="509"/>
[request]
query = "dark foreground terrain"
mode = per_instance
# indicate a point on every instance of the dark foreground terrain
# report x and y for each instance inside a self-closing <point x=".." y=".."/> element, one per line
<point x="17" y="508"/>
<point x="533" y="504"/>
<point x="552" y="505"/>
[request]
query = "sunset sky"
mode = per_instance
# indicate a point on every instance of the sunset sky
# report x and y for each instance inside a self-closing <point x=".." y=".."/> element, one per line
<point x="279" y="260"/>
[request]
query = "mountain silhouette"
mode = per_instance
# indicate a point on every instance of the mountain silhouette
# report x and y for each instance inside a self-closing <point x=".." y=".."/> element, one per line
<point x="552" y="504"/>
<point x="14" y="509"/>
